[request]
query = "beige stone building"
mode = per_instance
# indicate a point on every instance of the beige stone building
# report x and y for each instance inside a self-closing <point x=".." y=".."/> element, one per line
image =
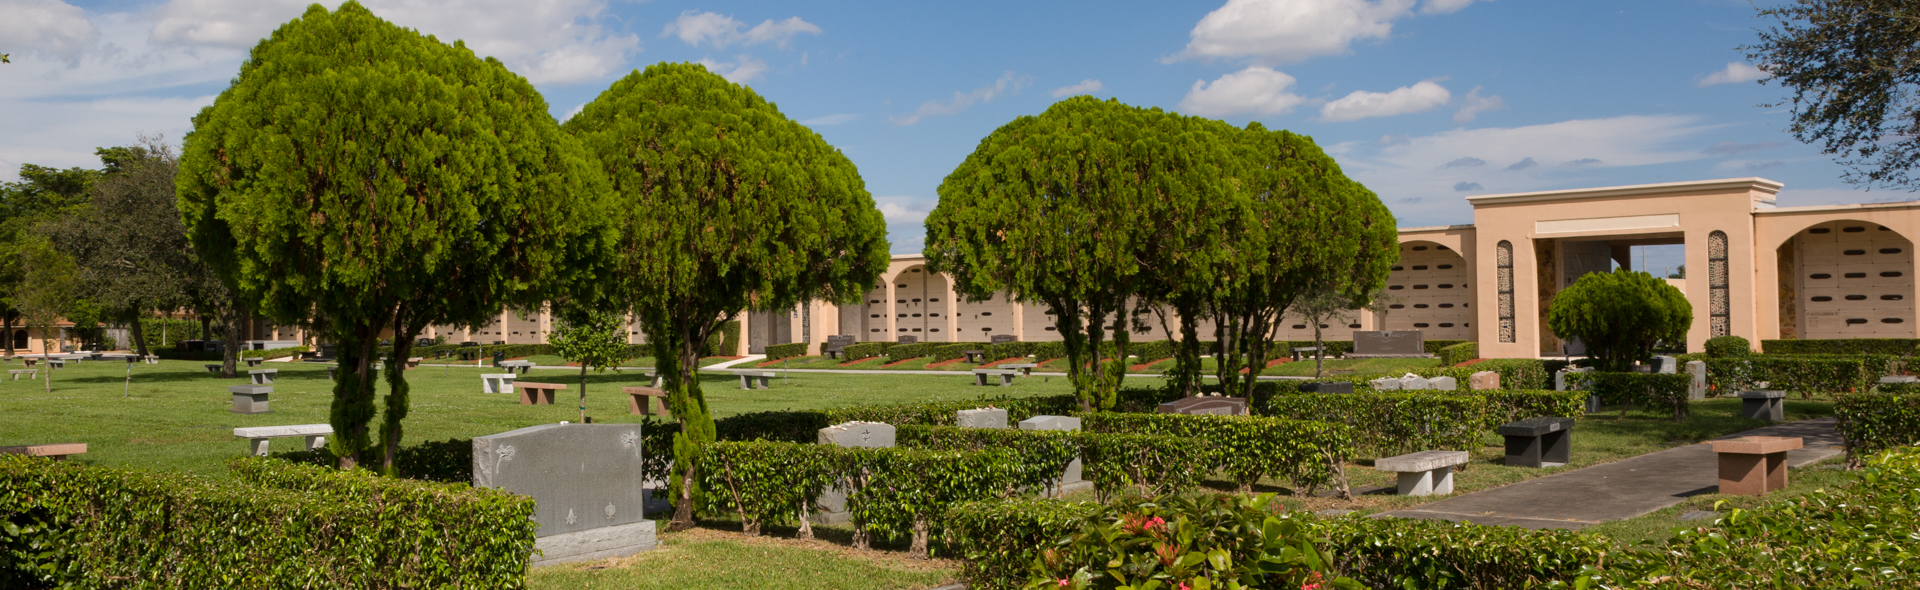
<point x="1843" y="271"/>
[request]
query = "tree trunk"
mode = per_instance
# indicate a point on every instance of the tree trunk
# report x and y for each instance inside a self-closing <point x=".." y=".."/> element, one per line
<point x="46" y="360"/>
<point x="806" y="524"/>
<point x="139" y="336"/>
<point x="583" y="392"/>
<point x="6" y="319"/>
<point x="921" y="530"/>
<point x="405" y="332"/>
<point x="230" y="346"/>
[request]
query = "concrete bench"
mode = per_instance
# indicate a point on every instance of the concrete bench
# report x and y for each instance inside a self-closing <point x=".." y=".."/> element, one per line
<point x="30" y="373"/>
<point x="748" y="379"/>
<point x="1424" y="473"/>
<point x="32" y="361"/>
<point x="532" y="394"/>
<point x="263" y="376"/>
<point x="151" y="359"/>
<point x="496" y="382"/>
<point x="1763" y="405"/>
<point x="57" y="363"/>
<point x="250" y="399"/>
<point x="257" y="437"/>
<point x="640" y="400"/>
<point x="974" y="356"/>
<point x="213" y="368"/>
<point x="1539" y="442"/>
<point x="56" y="451"/>
<point x="519" y="367"/>
<point x="1753" y="465"/>
<point x="254" y="361"/>
<point x="658" y="380"/>
<point x="1306" y="351"/>
<point x="414" y="362"/>
<point x="1025" y="369"/>
<point x="982" y="377"/>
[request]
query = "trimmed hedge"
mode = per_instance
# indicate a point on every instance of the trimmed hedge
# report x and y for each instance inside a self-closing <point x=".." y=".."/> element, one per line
<point x="766" y="482"/>
<point x="1169" y="542"/>
<point x="1146" y="464"/>
<point x="864" y="350"/>
<point x="783" y="351"/>
<point x="1434" y="347"/>
<point x="1805" y="374"/>
<point x="276" y="524"/>
<point x="1512" y="406"/>
<point x="1039" y="456"/>
<point x="1391" y="423"/>
<point x="1516" y="374"/>
<point x="1728" y="347"/>
<point x="1876" y="421"/>
<point x="1309" y="454"/>
<point x="1000" y="539"/>
<point x="901" y="352"/>
<point x="1892" y="346"/>
<point x="1650" y="390"/>
<point x="1458" y="353"/>
<point x="449" y="461"/>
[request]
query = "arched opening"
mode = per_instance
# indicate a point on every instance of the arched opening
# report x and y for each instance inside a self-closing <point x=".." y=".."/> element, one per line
<point x="1846" y="279"/>
<point x="20" y="339"/>
<point x="1428" y="290"/>
<point x="921" y="305"/>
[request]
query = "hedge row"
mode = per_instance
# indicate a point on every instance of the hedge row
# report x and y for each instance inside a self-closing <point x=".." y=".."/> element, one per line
<point x="275" y="524"/>
<point x="1872" y="422"/>
<point x="1458" y="353"/>
<point x="1515" y="374"/>
<point x="783" y="351"/>
<point x="864" y="350"/>
<point x="1803" y="374"/>
<point x="1391" y="423"/>
<point x="1892" y="346"/>
<point x="1245" y="448"/>
<point x="1649" y="390"/>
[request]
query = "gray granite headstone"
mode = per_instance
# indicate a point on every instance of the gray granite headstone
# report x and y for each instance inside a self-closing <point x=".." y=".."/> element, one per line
<point x="585" y="480"/>
<point x="1385" y="384"/>
<point x="982" y="418"/>
<point x="1443" y="383"/>
<point x="1003" y="339"/>
<point x="1070" y="480"/>
<point x="833" y="500"/>
<point x="1697" y="386"/>
<point x="1389" y="343"/>
<point x="1412" y="382"/>
<point x="1666" y="365"/>
<point x="1205" y="406"/>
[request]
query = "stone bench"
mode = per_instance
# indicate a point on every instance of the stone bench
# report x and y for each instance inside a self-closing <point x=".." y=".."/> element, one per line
<point x="1301" y="351"/>
<point x="254" y="361"/>
<point x="57" y="363"/>
<point x="520" y="367"/>
<point x="263" y="376"/>
<point x="496" y="382"/>
<point x="983" y="376"/>
<point x="56" y="451"/>
<point x="414" y="362"/>
<point x="537" y="393"/>
<point x="250" y="399"/>
<point x="640" y="400"/>
<point x="213" y="368"/>
<point x="1424" y="473"/>
<point x="30" y="373"/>
<point x="1763" y="405"/>
<point x="151" y="359"/>
<point x="1539" y="442"/>
<point x="1753" y="465"/>
<point x="1025" y="369"/>
<point x="974" y="356"/>
<point x="30" y="361"/>
<point x="748" y="379"/>
<point x="257" y="437"/>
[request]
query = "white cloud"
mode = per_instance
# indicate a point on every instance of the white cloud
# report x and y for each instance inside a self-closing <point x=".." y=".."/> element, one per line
<point x="903" y="210"/>
<point x="961" y="100"/>
<point x="1473" y="104"/>
<point x="1281" y="31"/>
<point x="1361" y="104"/>
<point x="738" y="72"/>
<point x="1087" y="86"/>
<point x="554" y="41"/>
<point x="1256" y="90"/>
<point x="48" y="28"/>
<point x="719" y="30"/>
<point x="1728" y="148"/>
<point x="839" y="119"/>
<point x="1735" y="73"/>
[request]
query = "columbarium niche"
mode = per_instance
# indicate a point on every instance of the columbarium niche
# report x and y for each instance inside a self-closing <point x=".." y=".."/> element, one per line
<point x="921" y="305"/>
<point x="1429" y="291"/>
<point x="1850" y="279"/>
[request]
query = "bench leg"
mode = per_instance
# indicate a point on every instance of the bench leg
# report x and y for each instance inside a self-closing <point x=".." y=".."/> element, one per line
<point x="765" y="382"/>
<point x="259" y="446"/>
<point x="746" y="382"/>
<point x="316" y="442"/>
<point x="980" y="379"/>
<point x="1006" y="380"/>
<point x="1426" y="483"/>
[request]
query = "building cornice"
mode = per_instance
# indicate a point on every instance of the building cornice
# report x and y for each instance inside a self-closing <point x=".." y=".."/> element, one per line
<point x="1434" y="228"/>
<point x="1751" y="184"/>
<point x="1830" y="208"/>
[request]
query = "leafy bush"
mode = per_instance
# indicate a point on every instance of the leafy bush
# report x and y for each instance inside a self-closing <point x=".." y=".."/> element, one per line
<point x="1152" y="350"/>
<point x="1510" y="405"/>
<point x="1146" y="464"/>
<point x="999" y="539"/>
<point x="273" y="353"/>
<point x="1876" y="421"/>
<point x="1245" y="448"/>
<point x="178" y="354"/>
<point x="1728" y="347"/>
<point x="1409" y="553"/>
<point x="1458" y="353"/>
<point x="766" y="482"/>
<point x="956" y="350"/>
<point x="1514" y="374"/>
<point x="1039" y="457"/>
<point x="1650" y="390"/>
<point x="901" y="352"/>
<point x="783" y="351"/>
<point x="1892" y="346"/>
<point x="1620" y="316"/>
<point x="276" y="524"/>
<point x="449" y="461"/>
<point x="1434" y="347"/>
<point x="898" y="492"/>
<point x="1391" y="423"/>
<point x="864" y="350"/>
<point x="1209" y="542"/>
<point x="724" y="341"/>
<point x="1805" y="374"/>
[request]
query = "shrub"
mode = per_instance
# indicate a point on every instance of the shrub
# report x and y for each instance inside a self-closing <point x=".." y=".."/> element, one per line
<point x="898" y="492"/>
<point x="1892" y="346"/>
<point x="1518" y="374"/>
<point x="1510" y="406"/>
<point x="275" y="524"/>
<point x="1651" y="390"/>
<point x="784" y="351"/>
<point x="1459" y="353"/>
<point x="999" y="539"/>
<point x="1434" y="347"/>
<point x="449" y="461"/>
<point x="766" y="482"/>
<point x="1234" y="542"/>
<point x="1620" y="316"/>
<point x="1728" y="347"/>
<point x="272" y="353"/>
<point x="1876" y="421"/>
<point x="864" y="350"/>
<point x="947" y="352"/>
<point x="1152" y="350"/>
<point x="1245" y="448"/>
<point x="901" y="352"/>
<point x="1391" y="423"/>
<point x="1147" y="464"/>
<point x="1039" y="457"/>
<point x="1805" y="374"/>
<point x="1409" y="553"/>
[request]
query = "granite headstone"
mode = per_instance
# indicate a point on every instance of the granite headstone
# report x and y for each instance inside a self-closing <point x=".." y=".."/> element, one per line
<point x="1483" y="380"/>
<point x="981" y="418"/>
<point x="1697" y="386"/>
<point x="1385" y="343"/>
<point x="585" y="480"/>
<point x="1070" y="480"/>
<point x="833" y="500"/>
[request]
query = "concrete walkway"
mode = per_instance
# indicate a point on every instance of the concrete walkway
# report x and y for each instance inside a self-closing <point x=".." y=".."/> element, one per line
<point x="1618" y="490"/>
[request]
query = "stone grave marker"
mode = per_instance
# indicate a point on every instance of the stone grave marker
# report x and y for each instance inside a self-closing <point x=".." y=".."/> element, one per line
<point x="1443" y="383"/>
<point x="1697" y="386"/>
<point x="585" y="480"/>
<point x="1483" y="380"/>
<point x="1070" y="480"/>
<point x="1002" y="339"/>
<point x="1665" y="365"/>
<point x="873" y="435"/>
<point x="1389" y="344"/>
<point x="1206" y="406"/>
<point x="1385" y="384"/>
<point x="982" y="418"/>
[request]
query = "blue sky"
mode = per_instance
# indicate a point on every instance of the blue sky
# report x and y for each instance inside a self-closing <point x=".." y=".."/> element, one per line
<point x="1424" y="101"/>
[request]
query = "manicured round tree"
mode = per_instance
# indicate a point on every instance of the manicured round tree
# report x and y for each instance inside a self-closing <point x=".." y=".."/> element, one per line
<point x="724" y="204"/>
<point x="369" y="181"/>
<point x="1620" y="316"/>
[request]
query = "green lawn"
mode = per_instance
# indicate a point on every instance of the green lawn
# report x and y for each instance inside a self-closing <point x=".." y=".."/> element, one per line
<point x="689" y="559"/>
<point x="554" y="360"/>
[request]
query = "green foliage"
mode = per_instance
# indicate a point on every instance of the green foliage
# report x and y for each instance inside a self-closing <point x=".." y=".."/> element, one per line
<point x="999" y="539"/>
<point x="1038" y="457"/>
<point x="1140" y="464"/>
<point x="1391" y="423"/>
<point x="45" y="292"/>
<point x="1514" y="405"/>
<point x="1805" y="374"/>
<point x="1853" y="87"/>
<point x="1620" y="316"/>
<point x="1410" y="553"/>
<point x="725" y="341"/>
<point x="724" y="203"/>
<point x="1246" y="448"/>
<point x="865" y="350"/>
<point x="1647" y="390"/>
<point x="1875" y="421"/>
<point x="273" y="353"/>
<point x="472" y="184"/>
<point x="274" y="524"/>
<point x="785" y="351"/>
<point x="896" y="492"/>
<point x="449" y="461"/>
<point x="1729" y="346"/>
<point x="595" y="338"/>
<point x="956" y="350"/>
<point x="1842" y="346"/>
<point x="1458" y="353"/>
<point x="901" y="352"/>
<point x="766" y="482"/>
<point x="1207" y="542"/>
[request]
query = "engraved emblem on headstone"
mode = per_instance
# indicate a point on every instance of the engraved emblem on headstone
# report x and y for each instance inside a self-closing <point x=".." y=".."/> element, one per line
<point x="610" y="511"/>
<point x="866" y="435"/>
<point x="571" y="518"/>
<point x="488" y="468"/>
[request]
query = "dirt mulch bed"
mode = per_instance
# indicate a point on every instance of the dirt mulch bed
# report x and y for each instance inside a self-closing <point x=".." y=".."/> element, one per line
<point x="936" y="365"/>
<point x="1012" y="361"/>
<point x="1469" y="363"/>
<point x="1147" y="365"/>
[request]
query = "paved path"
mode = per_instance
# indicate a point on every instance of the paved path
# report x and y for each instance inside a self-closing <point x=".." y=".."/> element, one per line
<point x="1618" y="490"/>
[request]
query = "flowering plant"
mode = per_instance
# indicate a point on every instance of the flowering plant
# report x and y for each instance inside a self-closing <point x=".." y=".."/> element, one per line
<point x="1223" y="542"/>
